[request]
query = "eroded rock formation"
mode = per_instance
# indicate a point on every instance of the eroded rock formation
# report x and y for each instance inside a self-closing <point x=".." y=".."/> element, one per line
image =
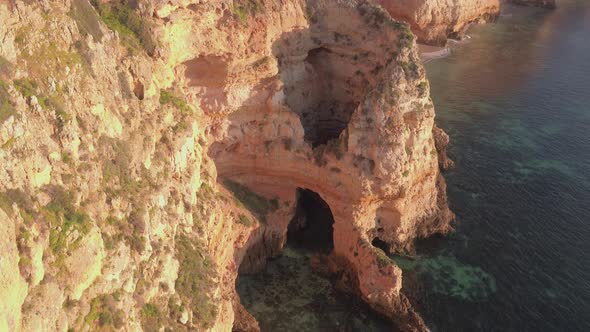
<point x="433" y="21"/>
<point x="343" y="111"/>
<point x="143" y="167"/>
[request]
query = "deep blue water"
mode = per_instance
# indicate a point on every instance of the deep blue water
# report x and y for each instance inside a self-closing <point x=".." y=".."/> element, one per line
<point x="515" y="99"/>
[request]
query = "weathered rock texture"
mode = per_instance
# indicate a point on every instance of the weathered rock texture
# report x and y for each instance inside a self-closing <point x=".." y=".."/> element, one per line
<point x="335" y="101"/>
<point x="148" y="157"/>
<point x="433" y="21"/>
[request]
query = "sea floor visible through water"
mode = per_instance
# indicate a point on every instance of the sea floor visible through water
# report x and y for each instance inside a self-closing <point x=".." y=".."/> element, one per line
<point x="288" y="296"/>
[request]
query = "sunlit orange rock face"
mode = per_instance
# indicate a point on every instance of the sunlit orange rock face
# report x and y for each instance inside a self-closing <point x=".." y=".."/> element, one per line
<point x="433" y="21"/>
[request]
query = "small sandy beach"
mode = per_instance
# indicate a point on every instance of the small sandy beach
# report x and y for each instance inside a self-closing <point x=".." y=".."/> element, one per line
<point x="429" y="53"/>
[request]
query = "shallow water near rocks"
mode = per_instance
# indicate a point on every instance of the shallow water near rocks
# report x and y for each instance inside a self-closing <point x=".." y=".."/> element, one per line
<point x="515" y="99"/>
<point x="446" y="276"/>
<point x="288" y="296"/>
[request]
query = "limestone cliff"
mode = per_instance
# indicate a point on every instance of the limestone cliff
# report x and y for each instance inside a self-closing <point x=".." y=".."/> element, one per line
<point x="151" y="150"/>
<point x="433" y="21"/>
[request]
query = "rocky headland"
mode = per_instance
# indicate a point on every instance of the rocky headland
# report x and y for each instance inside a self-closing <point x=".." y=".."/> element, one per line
<point x="435" y="21"/>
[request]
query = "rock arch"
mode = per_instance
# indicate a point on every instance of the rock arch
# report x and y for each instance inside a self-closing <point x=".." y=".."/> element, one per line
<point x="373" y="158"/>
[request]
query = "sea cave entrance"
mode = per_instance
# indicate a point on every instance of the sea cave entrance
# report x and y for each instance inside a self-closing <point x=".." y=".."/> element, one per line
<point x="288" y="295"/>
<point x="312" y="227"/>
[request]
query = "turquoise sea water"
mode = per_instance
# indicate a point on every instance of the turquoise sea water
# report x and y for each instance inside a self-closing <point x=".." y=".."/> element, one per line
<point x="515" y="100"/>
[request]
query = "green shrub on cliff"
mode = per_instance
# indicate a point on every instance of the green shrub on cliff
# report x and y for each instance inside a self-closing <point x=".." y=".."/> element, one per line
<point x="244" y="220"/>
<point x="49" y="60"/>
<point x="243" y="9"/>
<point x="151" y="317"/>
<point x="129" y="230"/>
<point x="406" y="36"/>
<point x="26" y="87"/>
<point x="64" y="221"/>
<point x="133" y="29"/>
<point x="382" y="259"/>
<point x="104" y="312"/>
<point x="20" y="198"/>
<point x="29" y="88"/>
<point x="410" y="68"/>
<point x="167" y="97"/>
<point x="258" y="205"/>
<point x="374" y="15"/>
<point x="422" y="88"/>
<point x="195" y="280"/>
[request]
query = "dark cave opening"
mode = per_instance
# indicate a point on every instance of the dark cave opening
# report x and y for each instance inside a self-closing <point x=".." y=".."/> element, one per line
<point x="333" y="107"/>
<point x="324" y="92"/>
<point x="378" y="243"/>
<point x="290" y="294"/>
<point x="312" y="227"/>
